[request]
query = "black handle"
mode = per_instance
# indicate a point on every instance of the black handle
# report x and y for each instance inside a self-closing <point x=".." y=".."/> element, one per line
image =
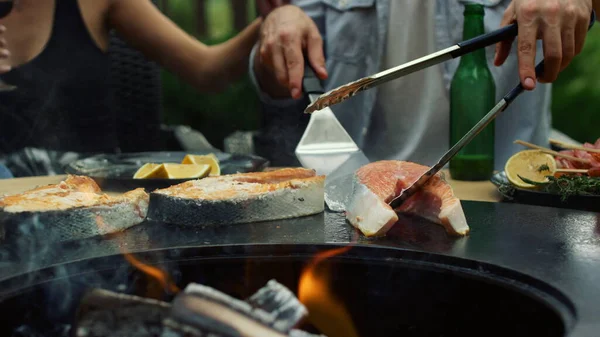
<point x="311" y="84"/>
<point x="494" y="37"/>
<point x="539" y="70"/>
<point x="485" y="40"/>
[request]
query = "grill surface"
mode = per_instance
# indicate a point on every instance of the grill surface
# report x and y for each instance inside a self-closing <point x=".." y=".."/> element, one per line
<point x="557" y="246"/>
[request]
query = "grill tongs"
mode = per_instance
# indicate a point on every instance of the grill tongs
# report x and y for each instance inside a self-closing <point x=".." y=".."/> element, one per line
<point x="348" y="90"/>
<point x="344" y="92"/>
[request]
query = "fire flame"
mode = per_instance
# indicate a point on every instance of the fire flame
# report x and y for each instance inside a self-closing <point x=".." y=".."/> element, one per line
<point x="325" y="312"/>
<point x="159" y="275"/>
<point x="155" y="273"/>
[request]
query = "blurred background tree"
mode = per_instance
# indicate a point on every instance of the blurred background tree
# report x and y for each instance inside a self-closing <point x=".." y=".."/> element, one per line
<point x="575" y="104"/>
<point x="576" y="93"/>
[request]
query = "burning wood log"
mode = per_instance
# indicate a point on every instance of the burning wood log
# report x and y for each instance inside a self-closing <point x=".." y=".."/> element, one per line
<point x="197" y="311"/>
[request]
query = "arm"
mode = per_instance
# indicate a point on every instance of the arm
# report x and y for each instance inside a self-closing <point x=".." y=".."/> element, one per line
<point x="208" y="68"/>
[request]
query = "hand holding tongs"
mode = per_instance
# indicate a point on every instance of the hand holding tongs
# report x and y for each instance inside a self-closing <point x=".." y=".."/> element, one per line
<point x="346" y="91"/>
<point x="466" y="139"/>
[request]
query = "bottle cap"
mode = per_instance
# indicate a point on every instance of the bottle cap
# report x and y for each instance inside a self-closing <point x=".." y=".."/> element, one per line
<point x="473" y="8"/>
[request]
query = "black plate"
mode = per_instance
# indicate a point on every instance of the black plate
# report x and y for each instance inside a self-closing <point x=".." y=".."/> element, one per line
<point x="534" y="197"/>
<point x="115" y="172"/>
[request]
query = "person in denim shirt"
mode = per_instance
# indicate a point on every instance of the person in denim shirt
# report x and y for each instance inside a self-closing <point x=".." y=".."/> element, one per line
<point x="5" y="172"/>
<point x="408" y="118"/>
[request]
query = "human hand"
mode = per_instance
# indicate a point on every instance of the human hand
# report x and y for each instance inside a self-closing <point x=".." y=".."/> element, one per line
<point x="4" y="53"/>
<point x="266" y="6"/>
<point x="562" y="26"/>
<point x="285" y="33"/>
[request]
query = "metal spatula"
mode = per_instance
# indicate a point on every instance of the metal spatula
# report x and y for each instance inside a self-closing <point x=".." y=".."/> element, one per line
<point x="327" y="148"/>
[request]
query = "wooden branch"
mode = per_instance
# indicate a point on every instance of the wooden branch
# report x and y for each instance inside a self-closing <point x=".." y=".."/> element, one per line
<point x="573" y="147"/>
<point x="593" y="172"/>
<point x="554" y="153"/>
<point x="571" y="171"/>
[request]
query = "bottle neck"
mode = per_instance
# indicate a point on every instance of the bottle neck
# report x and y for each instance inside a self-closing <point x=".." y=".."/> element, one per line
<point x="473" y="27"/>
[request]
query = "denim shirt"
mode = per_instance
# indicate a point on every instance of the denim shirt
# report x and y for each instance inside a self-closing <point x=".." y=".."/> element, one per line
<point x="354" y="34"/>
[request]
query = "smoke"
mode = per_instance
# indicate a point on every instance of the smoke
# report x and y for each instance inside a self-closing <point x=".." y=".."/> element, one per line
<point x="46" y="274"/>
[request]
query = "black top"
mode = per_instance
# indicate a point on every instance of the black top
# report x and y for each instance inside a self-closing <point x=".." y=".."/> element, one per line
<point x="63" y="99"/>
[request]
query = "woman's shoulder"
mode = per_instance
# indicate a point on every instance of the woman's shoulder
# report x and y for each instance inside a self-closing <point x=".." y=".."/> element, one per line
<point x="95" y="14"/>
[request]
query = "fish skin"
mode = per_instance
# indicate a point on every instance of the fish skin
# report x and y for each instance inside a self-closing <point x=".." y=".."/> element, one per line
<point x="377" y="184"/>
<point x="43" y="211"/>
<point x="240" y="198"/>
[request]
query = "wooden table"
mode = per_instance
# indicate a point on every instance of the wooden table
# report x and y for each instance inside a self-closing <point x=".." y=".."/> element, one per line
<point x="465" y="190"/>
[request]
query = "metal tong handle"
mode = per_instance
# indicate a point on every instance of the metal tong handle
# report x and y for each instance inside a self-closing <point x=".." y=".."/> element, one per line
<point x="311" y="84"/>
<point x="348" y="90"/>
<point x="468" y="137"/>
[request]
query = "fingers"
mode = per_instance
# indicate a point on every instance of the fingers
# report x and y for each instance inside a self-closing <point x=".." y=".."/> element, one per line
<point x="526" y="44"/>
<point x="272" y="55"/>
<point x="562" y="26"/>
<point x="316" y="56"/>
<point x="581" y="31"/>
<point x="285" y="35"/>
<point x="552" y="44"/>
<point x="568" y="41"/>
<point x="294" y="61"/>
<point x="503" y="48"/>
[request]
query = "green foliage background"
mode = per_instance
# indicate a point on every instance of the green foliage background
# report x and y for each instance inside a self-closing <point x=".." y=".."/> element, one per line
<point x="215" y="115"/>
<point x="575" y="105"/>
<point x="576" y="93"/>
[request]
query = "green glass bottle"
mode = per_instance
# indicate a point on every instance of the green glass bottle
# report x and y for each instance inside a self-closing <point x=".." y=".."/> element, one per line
<point x="472" y="95"/>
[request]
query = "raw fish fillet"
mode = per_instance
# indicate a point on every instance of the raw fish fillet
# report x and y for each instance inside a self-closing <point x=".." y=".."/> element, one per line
<point x="378" y="183"/>
<point x="594" y="158"/>
<point x="240" y="198"/>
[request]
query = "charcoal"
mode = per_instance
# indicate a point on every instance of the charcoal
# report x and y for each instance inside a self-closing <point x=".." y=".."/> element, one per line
<point x="283" y="306"/>
<point x="198" y="311"/>
<point x="201" y="316"/>
<point x="104" y="313"/>
<point x="273" y="305"/>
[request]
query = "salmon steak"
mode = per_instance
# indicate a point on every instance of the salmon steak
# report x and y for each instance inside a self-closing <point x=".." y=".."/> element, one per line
<point x="73" y="209"/>
<point x="375" y="185"/>
<point x="240" y="198"/>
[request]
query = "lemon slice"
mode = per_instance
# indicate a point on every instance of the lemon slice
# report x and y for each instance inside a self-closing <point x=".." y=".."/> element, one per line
<point x="186" y="171"/>
<point x="528" y="164"/>
<point x="209" y="159"/>
<point x="149" y="171"/>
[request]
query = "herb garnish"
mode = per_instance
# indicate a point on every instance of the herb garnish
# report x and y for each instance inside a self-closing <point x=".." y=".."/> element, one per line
<point x="543" y="168"/>
<point x="568" y="185"/>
